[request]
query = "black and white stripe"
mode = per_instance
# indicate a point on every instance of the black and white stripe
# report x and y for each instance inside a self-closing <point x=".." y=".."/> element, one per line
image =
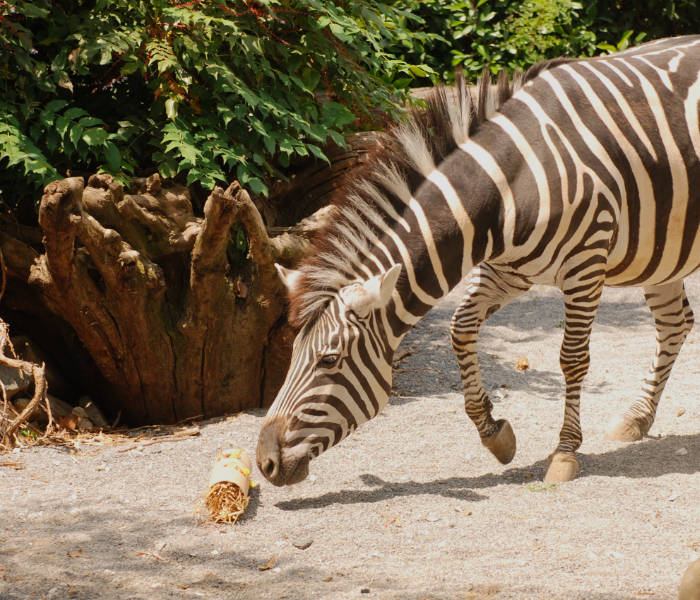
<point x="586" y="175"/>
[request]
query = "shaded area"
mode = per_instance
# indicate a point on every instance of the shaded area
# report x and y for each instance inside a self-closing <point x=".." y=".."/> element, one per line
<point x="639" y="460"/>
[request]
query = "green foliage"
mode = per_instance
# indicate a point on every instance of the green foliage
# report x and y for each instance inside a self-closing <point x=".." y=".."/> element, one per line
<point x="510" y="34"/>
<point x="541" y="29"/>
<point x="209" y="91"/>
<point x="205" y="90"/>
<point x="514" y="34"/>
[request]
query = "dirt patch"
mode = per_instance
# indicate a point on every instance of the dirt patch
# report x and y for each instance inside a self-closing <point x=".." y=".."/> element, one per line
<point x="410" y="507"/>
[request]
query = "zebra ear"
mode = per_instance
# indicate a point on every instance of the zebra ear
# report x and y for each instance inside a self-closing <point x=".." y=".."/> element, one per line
<point x="290" y="278"/>
<point x="381" y="287"/>
<point x="373" y="293"/>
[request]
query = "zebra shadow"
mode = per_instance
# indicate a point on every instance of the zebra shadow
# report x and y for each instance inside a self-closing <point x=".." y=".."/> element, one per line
<point x="649" y="458"/>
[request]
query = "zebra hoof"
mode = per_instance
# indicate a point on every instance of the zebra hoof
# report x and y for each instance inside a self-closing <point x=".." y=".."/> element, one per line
<point x="563" y="467"/>
<point x="625" y="430"/>
<point x="502" y="443"/>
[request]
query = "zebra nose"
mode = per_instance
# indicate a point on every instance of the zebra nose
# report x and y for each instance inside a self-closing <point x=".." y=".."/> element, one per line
<point x="269" y="451"/>
<point x="270" y="467"/>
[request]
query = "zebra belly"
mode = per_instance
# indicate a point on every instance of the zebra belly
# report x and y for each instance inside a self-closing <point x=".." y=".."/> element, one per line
<point x="655" y="262"/>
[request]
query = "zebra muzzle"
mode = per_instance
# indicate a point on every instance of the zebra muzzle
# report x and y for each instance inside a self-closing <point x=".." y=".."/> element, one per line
<point x="279" y="465"/>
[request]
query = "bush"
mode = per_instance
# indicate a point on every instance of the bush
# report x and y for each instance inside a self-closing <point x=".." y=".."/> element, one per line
<point x="210" y="91"/>
<point x="514" y="34"/>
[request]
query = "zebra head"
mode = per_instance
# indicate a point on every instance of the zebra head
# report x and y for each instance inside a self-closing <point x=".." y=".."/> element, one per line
<point x="339" y="377"/>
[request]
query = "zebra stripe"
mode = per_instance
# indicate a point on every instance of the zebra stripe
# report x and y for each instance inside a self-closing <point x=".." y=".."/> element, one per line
<point x="584" y="174"/>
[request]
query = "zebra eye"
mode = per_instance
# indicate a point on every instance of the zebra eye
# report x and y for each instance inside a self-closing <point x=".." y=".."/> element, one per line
<point x="329" y="360"/>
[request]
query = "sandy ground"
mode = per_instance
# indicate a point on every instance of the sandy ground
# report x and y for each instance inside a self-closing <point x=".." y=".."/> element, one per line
<point x="410" y="507"/>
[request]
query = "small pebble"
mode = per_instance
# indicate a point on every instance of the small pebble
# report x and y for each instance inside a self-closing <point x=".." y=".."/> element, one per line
<point x="364" y="591"/>
<point x="276" y="570"/>
<point x="681" y="452"/>
<point x="498" y="395"/>
<point x="302" y="544"/>
<point x="432" y="518"/>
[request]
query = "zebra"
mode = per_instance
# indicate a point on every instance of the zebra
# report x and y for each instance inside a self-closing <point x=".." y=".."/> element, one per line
<point x="579" y="174"/>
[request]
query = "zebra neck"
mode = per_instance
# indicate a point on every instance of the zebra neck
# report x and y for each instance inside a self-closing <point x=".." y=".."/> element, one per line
<point x="454" y="222"/>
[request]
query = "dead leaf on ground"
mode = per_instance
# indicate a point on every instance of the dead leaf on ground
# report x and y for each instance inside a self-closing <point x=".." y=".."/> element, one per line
<point x="150" y="555"/>
<point x="77" y="554"/>
<point x="270" y="564"/>
<point x="522" y="364"/>
<point x="68" y="422"/>
<point x="681" y="412"/>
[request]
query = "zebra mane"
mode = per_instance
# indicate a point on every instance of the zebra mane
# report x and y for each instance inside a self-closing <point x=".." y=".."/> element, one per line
<point x="374" y="195"/>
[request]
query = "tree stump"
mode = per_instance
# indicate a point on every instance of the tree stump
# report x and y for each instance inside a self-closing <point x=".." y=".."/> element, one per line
<point x="157" y="312"/>
<point x="178" y="312"/>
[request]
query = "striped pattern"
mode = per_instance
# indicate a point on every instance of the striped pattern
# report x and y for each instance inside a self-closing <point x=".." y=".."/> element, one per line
<point x="587" y="174"/>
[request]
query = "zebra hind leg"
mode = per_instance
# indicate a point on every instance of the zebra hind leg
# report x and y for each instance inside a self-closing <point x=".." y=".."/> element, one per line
<point x="489" y="290"/>
<point x="673" y="319"/>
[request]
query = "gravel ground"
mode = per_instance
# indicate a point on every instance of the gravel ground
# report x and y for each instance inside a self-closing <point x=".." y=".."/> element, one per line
<point x="410" y="507"/>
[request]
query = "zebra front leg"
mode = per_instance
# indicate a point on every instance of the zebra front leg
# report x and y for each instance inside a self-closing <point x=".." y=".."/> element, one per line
<point x="488" y="291"/>
<point x="581" y="304"/>
<point x="673" y="319"/>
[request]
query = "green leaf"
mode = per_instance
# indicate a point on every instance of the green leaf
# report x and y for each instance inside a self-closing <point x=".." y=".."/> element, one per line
<point x="90" y="121"/>
<point x="257" y="186"/>
<point x="337" y="138"/>
<point x="113" y="157"/>
<point x="74" y="113"/>
<point x="318" y="153"/>
<point x="270" y="144"/>
<point x="336" y="114"/>
<point x="76" y="132"/>
<point x="62" y="125"/>
<point x="94" y="136"/>
<point x="55" y="105"/>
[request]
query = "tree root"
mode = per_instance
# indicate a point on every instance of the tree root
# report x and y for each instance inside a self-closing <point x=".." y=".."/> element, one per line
<point x="10" y="420"/>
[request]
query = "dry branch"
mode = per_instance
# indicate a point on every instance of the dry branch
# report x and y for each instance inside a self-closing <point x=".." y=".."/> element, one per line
<point x="9" y="425"/>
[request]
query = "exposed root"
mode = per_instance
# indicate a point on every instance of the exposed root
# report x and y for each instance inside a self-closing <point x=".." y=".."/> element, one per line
<point x="13" y="425"/>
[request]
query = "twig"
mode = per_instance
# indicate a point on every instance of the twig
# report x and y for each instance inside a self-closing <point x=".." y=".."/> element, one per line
<point x="39" y="395"/>
<point x="4" y="274"/>
<point x="173" y="437"/>
<point x="12" y="464"/>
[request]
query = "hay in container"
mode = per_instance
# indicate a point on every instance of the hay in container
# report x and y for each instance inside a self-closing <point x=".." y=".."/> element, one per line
<point x="229" y="485"/>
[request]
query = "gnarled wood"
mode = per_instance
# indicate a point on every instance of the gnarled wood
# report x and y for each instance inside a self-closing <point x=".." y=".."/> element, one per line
<point x="175" y="324"/>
